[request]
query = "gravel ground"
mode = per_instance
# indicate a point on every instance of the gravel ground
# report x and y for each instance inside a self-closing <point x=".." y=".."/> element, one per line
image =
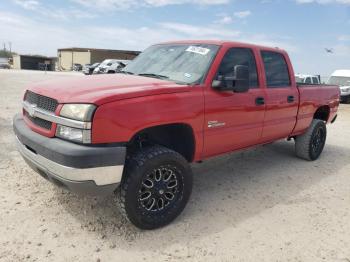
<point x="263" y="204"/>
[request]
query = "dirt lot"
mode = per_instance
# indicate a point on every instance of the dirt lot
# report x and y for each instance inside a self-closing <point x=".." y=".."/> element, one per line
<point x="259" y="205"/>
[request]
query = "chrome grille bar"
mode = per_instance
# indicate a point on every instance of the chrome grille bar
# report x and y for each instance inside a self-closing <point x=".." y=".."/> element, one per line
<point x="34" y="111"/>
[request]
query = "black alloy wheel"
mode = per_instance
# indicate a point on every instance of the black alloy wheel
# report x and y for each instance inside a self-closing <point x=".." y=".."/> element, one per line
<point x="160" y="189"/>
<point x="156" y="186"/>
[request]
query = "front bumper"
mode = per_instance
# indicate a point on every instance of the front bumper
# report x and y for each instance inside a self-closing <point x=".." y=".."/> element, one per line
<point x="85" y="169"/>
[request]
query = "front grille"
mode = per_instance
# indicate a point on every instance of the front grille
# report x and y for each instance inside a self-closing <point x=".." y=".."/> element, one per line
<point x="42" y="102"/>
<point x="39" y="122"/>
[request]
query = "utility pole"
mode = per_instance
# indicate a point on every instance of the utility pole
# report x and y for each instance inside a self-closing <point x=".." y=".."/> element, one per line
<point x="10" y="46"/>
<point x="4" y="46"/>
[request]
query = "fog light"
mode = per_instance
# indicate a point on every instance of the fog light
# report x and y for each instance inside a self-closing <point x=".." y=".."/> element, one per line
<point x="74" y="134"/>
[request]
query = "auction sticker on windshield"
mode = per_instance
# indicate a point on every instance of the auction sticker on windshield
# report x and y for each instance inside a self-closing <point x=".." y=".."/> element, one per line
<point x="198" y="50"/>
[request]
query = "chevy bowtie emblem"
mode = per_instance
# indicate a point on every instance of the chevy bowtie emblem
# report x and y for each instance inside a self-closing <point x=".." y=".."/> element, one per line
<point x="31" y="109"/>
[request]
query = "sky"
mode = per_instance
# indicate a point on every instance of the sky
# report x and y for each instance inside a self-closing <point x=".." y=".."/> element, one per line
<point x="303" y="27"/>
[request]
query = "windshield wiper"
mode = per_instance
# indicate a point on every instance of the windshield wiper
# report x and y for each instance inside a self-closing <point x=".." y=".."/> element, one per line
<point x="154" y="75"/>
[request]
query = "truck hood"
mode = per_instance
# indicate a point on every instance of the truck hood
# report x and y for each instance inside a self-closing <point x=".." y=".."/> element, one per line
<point x="101" y="89"/>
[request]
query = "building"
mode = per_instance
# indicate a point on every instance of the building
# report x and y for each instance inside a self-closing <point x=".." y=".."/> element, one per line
<point x="34" y="62"/>
<point x="69" y="56"/>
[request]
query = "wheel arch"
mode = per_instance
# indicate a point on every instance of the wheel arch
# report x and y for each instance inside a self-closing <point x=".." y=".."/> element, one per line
<point x="322" y="113"/>
<point x="179" y="137"/>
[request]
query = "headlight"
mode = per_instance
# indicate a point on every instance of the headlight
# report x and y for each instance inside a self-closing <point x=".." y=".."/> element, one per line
<point x="81" y="112"/>
<point x="74" y="134"/>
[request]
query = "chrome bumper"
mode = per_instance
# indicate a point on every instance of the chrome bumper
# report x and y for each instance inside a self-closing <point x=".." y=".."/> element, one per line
<point x="100" y="175"/>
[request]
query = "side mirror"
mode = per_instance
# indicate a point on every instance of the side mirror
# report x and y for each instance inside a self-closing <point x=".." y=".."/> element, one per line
<point x="238" y="83"/>
<point x="241" y="75"/>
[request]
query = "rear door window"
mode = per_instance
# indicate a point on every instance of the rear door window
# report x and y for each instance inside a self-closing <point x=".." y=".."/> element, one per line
<point x="315" y="80"/>
<point x="276" y="69"/>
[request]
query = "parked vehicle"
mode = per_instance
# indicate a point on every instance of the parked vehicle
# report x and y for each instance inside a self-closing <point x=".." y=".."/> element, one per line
<point x="117" y="66"/>
<point x="44" y="67"/>
<point x="4" y="66"/>
<point x="307" y="79"/>
<point x="135" y="132"/>
<point x="88" y="69"/>
<point x="4" y="63"/>
<point x="342" y="79"/>
<point x="77" y="67"/>
<point x="108" y="66"/>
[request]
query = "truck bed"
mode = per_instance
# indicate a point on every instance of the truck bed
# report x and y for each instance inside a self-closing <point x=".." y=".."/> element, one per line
<point x="311" y="97"/>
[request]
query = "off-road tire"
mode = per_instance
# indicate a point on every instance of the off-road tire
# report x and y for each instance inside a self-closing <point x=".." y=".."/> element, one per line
<point x="138" y="167"/>
<point x="306" y="146"/>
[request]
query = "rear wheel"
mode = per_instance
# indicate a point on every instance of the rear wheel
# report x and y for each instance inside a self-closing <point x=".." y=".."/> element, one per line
<point x="156" y="186"/>
<point x="309" y="145"/>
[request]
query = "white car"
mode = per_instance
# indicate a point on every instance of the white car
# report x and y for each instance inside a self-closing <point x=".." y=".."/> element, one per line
<point x="117" y="66"/>
<point x="307" y="79"/>
<point x="342" y="79"/>
<point x="110" y="66"/>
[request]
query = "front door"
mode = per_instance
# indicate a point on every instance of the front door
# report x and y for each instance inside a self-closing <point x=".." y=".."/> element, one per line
<point x="234" y="120"/>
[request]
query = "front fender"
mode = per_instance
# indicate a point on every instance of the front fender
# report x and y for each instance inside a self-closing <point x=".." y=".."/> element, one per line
<point x="119" y="121"/>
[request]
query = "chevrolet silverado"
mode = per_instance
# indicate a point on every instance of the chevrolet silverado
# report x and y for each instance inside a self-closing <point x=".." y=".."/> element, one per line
<point x="135" y="133"/>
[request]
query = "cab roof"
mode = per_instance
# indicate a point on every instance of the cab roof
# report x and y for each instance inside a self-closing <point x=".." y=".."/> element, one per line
<point x="305" y="75"/>
<point x="224" y="43"/>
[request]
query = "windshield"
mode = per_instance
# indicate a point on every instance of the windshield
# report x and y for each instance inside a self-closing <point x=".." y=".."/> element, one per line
<point x="181" y="63"/>
<point x="339" y="80"/>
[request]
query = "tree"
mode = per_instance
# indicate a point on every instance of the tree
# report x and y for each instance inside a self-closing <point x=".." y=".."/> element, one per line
<point x="6" y="53"/>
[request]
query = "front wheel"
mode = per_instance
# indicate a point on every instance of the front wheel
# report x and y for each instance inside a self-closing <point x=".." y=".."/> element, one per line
<point x="156" y="187"/>
<point x="309" y="145"/>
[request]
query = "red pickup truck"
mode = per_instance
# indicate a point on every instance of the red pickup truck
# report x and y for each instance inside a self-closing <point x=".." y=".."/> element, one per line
<point x="134" y="133"/>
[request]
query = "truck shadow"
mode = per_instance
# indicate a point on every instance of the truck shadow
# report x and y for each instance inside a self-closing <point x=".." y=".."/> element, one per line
<point x="227" y="191"/>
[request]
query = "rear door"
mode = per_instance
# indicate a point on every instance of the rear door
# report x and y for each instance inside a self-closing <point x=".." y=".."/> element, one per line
<point x="234" y="120"/>
<point x="282" y="96"/>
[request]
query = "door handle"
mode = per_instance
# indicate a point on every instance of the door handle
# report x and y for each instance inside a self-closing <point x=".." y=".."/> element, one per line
<point x="290" y="99"/>
<point x="260" y="101"/>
